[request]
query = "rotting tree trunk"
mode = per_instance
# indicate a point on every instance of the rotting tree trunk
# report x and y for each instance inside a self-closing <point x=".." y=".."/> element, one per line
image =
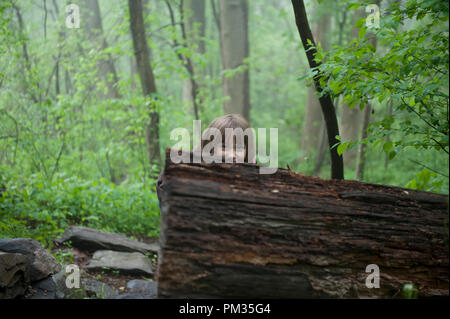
<point x="328" y="111"/>
<point x="229" y="232"/>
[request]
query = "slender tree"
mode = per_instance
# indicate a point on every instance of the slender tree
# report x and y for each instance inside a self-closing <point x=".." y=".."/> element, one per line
<point x="350" y="118"/>
<point x="340" y="22"/>
<point x="26" y="63"/>
<point x="94" y="30"/>
<point x="328" y="111"/>
<point x="235" y="49"/>
<point x="146" y="76"/>
<point x="186" y="60"/>
<point x="194" y="32"/>
<point x="359" y="174"/>
<point x="312" y="123"/>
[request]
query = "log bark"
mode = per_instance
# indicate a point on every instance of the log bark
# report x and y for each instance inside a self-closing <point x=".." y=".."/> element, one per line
<point x="229" y="232"/>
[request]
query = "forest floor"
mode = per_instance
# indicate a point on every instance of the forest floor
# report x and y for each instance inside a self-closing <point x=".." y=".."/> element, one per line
<point x="114" y="279"/>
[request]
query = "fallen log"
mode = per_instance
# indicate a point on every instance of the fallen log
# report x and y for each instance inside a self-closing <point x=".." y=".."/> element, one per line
<point x="229" y="232"/>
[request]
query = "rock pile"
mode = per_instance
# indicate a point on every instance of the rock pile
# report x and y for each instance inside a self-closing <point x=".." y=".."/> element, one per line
<point x="25" y="263"/>
<point x="111" y="251"/>
<point x="27" y="270"/>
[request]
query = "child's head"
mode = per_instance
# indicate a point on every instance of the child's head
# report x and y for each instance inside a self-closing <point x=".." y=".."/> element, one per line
<point x="233" y="121"/>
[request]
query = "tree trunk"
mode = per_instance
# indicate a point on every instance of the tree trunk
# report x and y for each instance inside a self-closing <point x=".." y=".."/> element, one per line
<point x="322" y="149"/>
<point x="94" y="30"/>
<point x="147" y="79"/>
<point x="194" y="24"/>
<point x="229" y="232"/>
<point x="26" y="64"/>
<point x="194" y="15"/>
<point x="350" y="118"/>
<point x="359" y="174"/>
<point x="328" y="111"/>
<point x="133" y="71"/>
<point x="386" y="157"/>
<point x="350" y="126"/>
<point x="57" y="86"/>
<point x="67" y="82"/>
<point x="323" y="143"/>
<point x="235" y="48"/>
<point x="312" y="123"/>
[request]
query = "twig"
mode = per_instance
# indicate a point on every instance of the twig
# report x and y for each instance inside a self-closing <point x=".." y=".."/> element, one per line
<point x="55" y="168"/>
<point x="415" y="162"/>
<point x="17" y="135"/>
<point x="420" y="116"/>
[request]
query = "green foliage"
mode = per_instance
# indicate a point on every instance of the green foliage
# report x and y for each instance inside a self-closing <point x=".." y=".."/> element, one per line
<point x="410" y="69"/>
<point x="427" y="181"/>
<point x="409" y="291"/>
<point x="34" y="207"/>
<point x="64" y="256"/>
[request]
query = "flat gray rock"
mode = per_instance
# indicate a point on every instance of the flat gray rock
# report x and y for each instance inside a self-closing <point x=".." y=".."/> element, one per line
<point x="89" y="239"/>
<point x="13" y="275"/>
<point x="143" y="287"/>
<point x="97" y="289"/>
<point x="62" y="291"/>
<point x="89" y="288"/>
<point x="41" y="263"/>
<point x="126" y="263"/>
<point x="60" y="282"/>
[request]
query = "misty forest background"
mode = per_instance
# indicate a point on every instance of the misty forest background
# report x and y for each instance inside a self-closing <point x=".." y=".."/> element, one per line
<point x="86" y="114"/>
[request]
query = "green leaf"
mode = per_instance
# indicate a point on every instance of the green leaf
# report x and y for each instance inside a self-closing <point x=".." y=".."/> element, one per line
<point x="360" y="22"/>
<point x="362" y="32"/>
<point x="341" y="148"/>
<point x="392" y="154"/>
<point x="354" y="6"/>
<point x="387" y="146"/>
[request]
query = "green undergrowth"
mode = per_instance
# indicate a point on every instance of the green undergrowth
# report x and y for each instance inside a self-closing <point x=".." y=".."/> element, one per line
<point x="35" y="208"/>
